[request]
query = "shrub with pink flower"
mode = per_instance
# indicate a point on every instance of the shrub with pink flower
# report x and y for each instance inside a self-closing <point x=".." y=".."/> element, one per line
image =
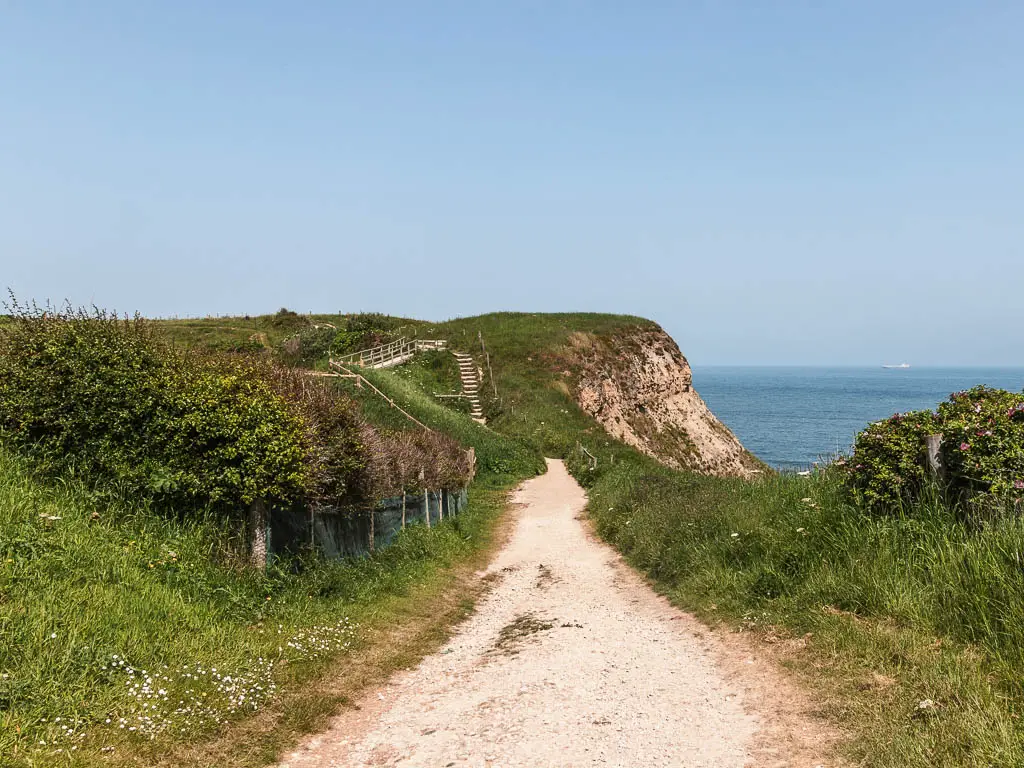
<point x="982" y="451"/>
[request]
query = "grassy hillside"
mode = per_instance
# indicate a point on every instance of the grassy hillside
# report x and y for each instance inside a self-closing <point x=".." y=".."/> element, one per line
<point x="908" y="627"/>
<point x="131" y="632"/>
<point x="118" y="626"/>
<point x="532" y="402"/>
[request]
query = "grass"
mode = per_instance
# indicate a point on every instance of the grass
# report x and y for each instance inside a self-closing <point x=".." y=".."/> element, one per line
<point x="253" y="332"/>
<point x="112" y="616"/>
<point x="500" y="458"/>
<point x="533" y="403"/>
<point x="527" y="355"/>
<point x="912" y="627"/>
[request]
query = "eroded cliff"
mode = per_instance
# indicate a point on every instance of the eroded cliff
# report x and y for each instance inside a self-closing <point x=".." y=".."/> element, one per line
<point x="638" y="386"/>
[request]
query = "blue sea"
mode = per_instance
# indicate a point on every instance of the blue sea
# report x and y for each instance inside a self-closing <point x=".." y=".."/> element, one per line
<point x="791" y="417"/>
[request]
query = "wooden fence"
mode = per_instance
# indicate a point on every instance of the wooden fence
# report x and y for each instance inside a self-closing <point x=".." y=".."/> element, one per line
<point x="392" y="353"/>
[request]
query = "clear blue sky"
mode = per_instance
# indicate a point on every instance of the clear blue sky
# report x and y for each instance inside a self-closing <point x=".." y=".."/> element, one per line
<point x="774" y="182"/>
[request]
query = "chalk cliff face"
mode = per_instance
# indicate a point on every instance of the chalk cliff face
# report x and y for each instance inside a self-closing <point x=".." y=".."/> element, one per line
<point x="638" y="386"/>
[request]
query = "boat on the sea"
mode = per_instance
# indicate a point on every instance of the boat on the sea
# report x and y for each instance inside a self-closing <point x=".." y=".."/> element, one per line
<point x="901" y="365"/>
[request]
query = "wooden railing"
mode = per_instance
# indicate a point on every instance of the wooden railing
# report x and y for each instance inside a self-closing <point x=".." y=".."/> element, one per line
<point x="360" y="380"/>
<point x="386" y="353"/>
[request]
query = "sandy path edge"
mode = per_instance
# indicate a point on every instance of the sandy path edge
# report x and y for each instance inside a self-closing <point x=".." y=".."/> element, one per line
<point x="572" y="660"/>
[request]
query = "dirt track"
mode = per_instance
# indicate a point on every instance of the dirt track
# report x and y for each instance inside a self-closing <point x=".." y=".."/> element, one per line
<point x="572" y="661"/>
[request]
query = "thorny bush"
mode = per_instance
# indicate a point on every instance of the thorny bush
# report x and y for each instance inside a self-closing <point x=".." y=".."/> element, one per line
<point x="982" y="453"/>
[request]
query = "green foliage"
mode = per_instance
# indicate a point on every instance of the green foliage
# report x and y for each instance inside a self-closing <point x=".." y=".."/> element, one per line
<point x="308" y="346"/>
<point x="889" y="465"/>
<point x="100" y="395"/>
<point x="500" y="459"/>
<point x="366" y="330"/>
<point x="983" y="443"/>
<point x="982" y="453"/>
<point x="925" y="599"/>
<point x="286" y="319"/>
<point x="84" y="579"/>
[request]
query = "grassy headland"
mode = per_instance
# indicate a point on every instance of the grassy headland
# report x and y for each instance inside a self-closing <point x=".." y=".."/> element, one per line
<point x="131" y="627"/>
<point x="909" y="626"/>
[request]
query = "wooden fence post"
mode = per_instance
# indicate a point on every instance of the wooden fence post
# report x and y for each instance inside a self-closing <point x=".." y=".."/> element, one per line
<point x="258" y="533"/>
<point x="426" y="505"/>
<point x="403" y="509"/>
<point x="372" y="516"/>
<point x="933" y="445"/>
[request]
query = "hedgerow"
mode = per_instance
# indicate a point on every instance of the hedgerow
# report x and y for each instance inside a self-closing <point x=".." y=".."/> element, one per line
<point x="101" y="396"/>
<point x="982" y="453"/>
<point x="98" y="394"/>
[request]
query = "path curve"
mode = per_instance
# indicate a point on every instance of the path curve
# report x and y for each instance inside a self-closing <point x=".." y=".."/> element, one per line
<point x="570" y="660"/>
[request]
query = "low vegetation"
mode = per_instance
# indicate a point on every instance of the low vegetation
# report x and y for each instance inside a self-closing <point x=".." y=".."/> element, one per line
<point x="106" y="399"/>
<point x="908" y="618"/>
<point x="131" y="627"/>
<point x="981" y="455"/>
<point x="126" y="636"/>
<point x="898" y="595"/>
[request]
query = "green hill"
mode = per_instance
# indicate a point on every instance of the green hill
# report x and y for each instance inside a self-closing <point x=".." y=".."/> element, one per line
<point x="926" y="600"/>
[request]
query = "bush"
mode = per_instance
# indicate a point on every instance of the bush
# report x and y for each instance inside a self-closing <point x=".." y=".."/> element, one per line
<point x="983" y="443"/>
<point x="287" y="319"/>
<point x="982" y="452"/>
<point x="888" y="467"/>
<point x="99" y="394"/>
<point x="364" y="331"/>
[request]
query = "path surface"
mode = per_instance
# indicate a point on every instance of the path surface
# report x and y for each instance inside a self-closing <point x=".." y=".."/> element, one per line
<point x="569" y="661"/>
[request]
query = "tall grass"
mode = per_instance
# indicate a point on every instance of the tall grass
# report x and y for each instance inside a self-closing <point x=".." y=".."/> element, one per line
<point x="918" y="598"/>
<point x="121" y="629"/>
<point x="500" y="458"/>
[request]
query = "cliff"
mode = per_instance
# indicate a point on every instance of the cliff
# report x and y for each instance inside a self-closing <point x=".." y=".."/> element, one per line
<point x="638" y="386"/>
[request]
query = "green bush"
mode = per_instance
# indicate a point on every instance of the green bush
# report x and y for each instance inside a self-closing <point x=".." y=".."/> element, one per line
<point x="982" y="452"/>
<point x="888" y="467"/>
<point x="99" y="395"/>
<point x="983" y="443"/>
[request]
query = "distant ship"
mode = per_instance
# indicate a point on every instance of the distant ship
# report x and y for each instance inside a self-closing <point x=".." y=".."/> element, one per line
<point x="901" y="365"/>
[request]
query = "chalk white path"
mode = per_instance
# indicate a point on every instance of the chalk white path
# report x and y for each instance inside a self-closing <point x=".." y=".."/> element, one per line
<point x="570" y="660"/>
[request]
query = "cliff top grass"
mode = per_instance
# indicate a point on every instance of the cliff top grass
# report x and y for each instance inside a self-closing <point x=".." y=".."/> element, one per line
<point x="528" y="398"/>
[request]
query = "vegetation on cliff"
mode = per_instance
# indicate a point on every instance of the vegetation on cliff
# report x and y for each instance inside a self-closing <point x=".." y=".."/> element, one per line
<point x="130" y="627"/>
<point x="902" y="611"/>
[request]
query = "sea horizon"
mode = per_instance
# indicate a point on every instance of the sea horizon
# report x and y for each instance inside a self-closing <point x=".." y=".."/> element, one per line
<point x="792" y="416"/>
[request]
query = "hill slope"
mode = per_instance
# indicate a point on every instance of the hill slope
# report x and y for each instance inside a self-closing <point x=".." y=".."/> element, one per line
<point x="556" y="381"/>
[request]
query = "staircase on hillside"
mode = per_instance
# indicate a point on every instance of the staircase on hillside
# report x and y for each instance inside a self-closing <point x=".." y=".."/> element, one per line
<point x="471" y="385"/>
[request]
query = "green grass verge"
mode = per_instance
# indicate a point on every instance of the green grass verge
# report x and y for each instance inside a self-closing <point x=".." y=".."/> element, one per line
<point x="500" y="458"/>
<point x="112" y="613"/>
<point x="912" y="627"/>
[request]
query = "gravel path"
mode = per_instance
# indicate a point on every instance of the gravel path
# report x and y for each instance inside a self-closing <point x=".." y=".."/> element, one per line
<point x="570" y="660"/>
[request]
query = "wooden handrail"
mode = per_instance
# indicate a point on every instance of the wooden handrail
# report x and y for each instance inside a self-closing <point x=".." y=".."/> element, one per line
<point x="392" y="403"/>
<point x="384" y="353"/>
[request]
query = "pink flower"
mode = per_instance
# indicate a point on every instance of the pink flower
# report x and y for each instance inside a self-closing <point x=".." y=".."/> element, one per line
<point x="965" y="446"/>
<point x="1019" y="485"/>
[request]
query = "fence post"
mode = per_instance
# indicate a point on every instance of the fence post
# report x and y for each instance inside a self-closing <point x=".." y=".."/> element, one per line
<point x="933" y="445"/>
<point x="372" y="516"/>
<point x="258" y="533"/>
<point x="426" y="505"/>
<point x="403" y="509"/>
